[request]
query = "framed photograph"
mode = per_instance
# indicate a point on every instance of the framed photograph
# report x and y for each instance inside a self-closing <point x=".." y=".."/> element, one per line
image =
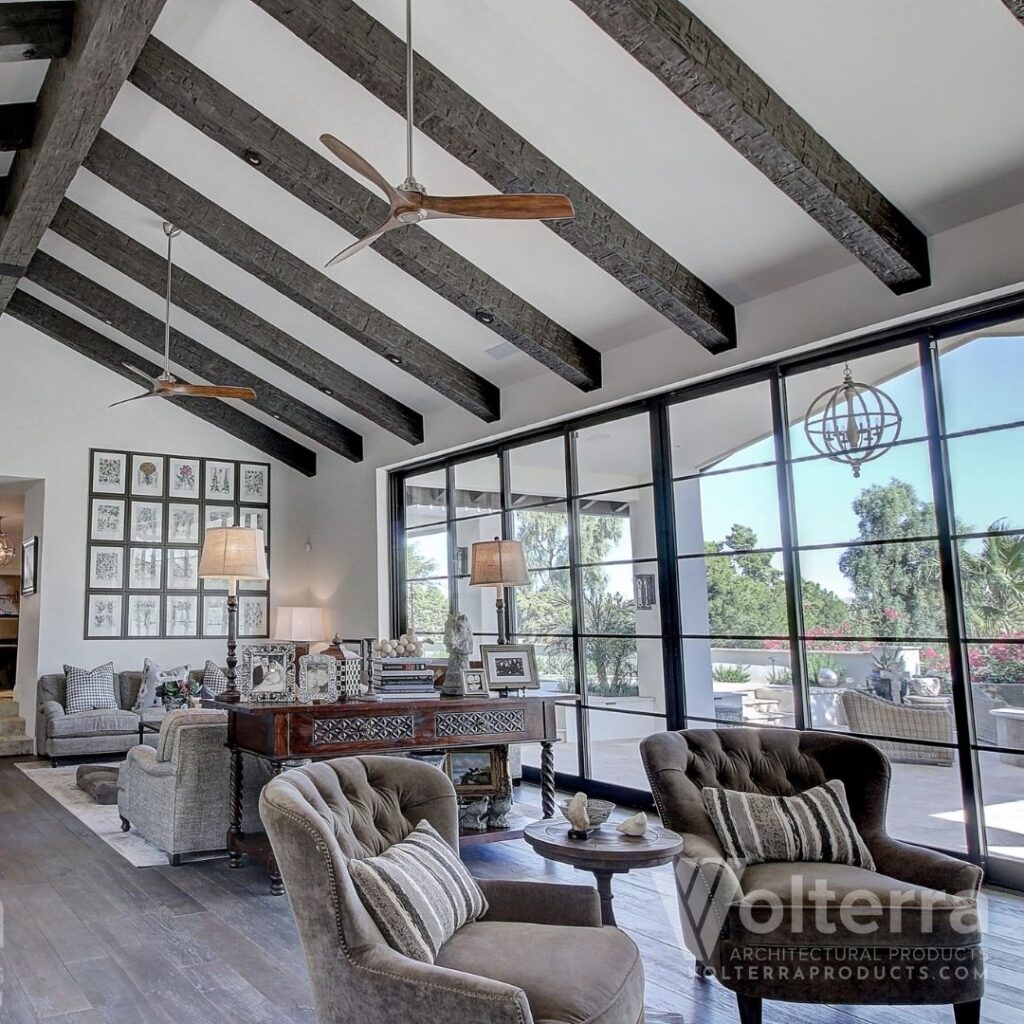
<point x="510" y="666"/>
<point x="474" y="771"/>
<point x="182" y="523"/>
<point x="252" y="616"/>
<point x="220" y="515"/>
<point x="144" y="565"/>
<point x="182" y="615"/>
<point x="215" y="616"/>
<point x="106" y="568"/>
<point x="109" y="472"/>
<point x="319" y="679"/>
<point x="148" y="475"/>
<point x="182" y="568"/>
<point x="220" y="481"/>
<point x="255" y="519"/>
<point x="107" y="519"/>
<point x="103" y="615"/>
<point x="143" y="614"/>
<point x="254" y="483"/>
<point x="183" y="478"/>
<point x="476" y="683"/>
<point x="438" y="761"/>
<point x="268" y="673"/>
<point x="30" y="566"/>
<point x="147" y="522"/>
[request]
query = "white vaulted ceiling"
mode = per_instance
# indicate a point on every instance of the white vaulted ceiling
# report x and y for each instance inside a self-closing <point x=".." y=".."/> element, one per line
<point x="922" y="96"/>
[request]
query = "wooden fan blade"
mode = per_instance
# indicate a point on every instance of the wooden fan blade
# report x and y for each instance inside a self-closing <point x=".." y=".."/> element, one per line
<point x="137" y="371"/>
<point x="521" y="206"/>
<point x="178" y="390"/>
<point x="391" y="222"/>
<point x="350" y="158"/>
<point x="125" y="401"/>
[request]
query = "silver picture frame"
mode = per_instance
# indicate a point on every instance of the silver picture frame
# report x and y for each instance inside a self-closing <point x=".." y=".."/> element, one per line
<point x="319" y="679"/>
<point x="510" y="666"/>
<point x="268" y="673"/>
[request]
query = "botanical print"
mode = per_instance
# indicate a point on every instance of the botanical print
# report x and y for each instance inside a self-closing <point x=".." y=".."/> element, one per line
<point x="252" y="616"/>
<point x="143" y="615"/>
<point x="220" y="481"/>
<point x="107" y="568"/>
<point x="183" y="524"/>
<point x="254" y="519"/>
<point x="215" y="616"/>
<point x="183" y="476"/>
<point x="254" y="483"/>
<point x="107" y="519"/>
<point x="147" y="474"/>
<point x="144" y="572"/>
<point x="147" y="521"/>
<point x="182" y="570"/>
<point x="182" y="614"/>
<point x="219" y="515"/>
<point x="104" y="615"/>
<point x="108" y="472"/>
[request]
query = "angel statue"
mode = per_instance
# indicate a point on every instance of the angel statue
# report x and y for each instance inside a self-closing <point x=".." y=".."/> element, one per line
<point x="458" y="639"/>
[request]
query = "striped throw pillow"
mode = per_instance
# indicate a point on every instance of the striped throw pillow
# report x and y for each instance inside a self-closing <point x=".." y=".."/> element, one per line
<point x="815" y="825"/>
<point x="89" y="690"/>
<point x="418" y="892"/>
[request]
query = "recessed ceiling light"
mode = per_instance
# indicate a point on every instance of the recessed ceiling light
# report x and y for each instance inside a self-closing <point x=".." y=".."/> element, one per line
<point x="484" y="317"/>
<point x="327" y="391"/>
<point x="397" y="360"/>
<point x="253" y="157"/>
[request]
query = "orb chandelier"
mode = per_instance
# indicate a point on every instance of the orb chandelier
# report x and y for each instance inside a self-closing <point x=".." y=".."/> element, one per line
<point x="853" y="423"/>
<point x="7" y="552"/>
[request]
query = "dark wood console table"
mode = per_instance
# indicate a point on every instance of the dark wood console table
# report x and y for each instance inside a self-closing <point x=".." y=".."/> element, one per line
<point x="285" y="732"/>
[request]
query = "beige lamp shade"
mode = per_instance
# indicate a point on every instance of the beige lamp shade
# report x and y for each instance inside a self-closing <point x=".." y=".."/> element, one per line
<point x="301" y="625"/>
<point x="233" y="553"/>
<point x="498" y="563"/>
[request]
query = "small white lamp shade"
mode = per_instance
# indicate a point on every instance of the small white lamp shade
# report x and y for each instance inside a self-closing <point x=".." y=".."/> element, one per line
<point x="233" y="553"/>
<point x="300" y="625"/>
<point x="498" y="563"/>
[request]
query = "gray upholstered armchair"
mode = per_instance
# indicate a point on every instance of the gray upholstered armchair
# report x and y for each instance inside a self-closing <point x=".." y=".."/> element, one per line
<point x="800" y="932"/>
<point x="540" y="954"/>
<point x="177" y="794"/>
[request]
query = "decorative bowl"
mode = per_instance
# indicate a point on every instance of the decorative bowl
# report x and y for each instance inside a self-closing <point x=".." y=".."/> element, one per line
<point x="598" y="811"/>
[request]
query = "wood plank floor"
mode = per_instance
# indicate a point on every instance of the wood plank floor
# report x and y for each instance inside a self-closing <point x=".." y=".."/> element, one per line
<point x="88" y="939"/>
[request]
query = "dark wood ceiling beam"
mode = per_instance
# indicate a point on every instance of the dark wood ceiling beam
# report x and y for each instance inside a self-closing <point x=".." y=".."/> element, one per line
<point x="66" y="283"/>
<point x="1017" y="7"/>
<point x="148" y="268"/>
<point x="107" y="353"/>
<point x="366" y="51"/>
<point x="17" y="125"/>
<point x="698" y="67"/>
<point x="204" y="220"/>
<point x="76" y="94"/>
<point x="204" y="103"/>
<point x="35" y="31"/>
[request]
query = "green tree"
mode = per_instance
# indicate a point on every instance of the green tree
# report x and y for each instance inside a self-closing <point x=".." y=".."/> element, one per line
<point x="896" y="587"/>
<point x="428" y="602"/>
<point x="993" y="582"/>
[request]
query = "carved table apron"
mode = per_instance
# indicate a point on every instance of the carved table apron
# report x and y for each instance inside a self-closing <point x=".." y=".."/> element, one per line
<point x="285" y="732"/>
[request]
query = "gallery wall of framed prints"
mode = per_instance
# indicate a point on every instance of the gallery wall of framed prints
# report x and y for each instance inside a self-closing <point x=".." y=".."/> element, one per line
<point x="148" y="515"/>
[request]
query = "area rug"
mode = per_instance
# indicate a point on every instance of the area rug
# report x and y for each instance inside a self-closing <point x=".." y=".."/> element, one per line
<point x="102" y="820"/>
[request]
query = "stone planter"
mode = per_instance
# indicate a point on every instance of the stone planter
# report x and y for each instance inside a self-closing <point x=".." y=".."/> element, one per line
<point x="1010" y="733"/>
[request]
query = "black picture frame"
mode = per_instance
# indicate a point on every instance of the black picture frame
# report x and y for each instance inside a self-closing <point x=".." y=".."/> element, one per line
<point x="117" y="600"/>
<point x="30" y="567"/>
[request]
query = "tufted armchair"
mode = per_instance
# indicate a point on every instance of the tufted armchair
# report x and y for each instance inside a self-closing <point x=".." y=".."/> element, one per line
<point x="539" y="955"/>
<point x="906" y="933"/>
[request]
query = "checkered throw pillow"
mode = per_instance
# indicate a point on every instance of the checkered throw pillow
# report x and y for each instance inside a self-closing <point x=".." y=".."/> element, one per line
<point x="214" y="681"/>
<point x="90" y="690"/>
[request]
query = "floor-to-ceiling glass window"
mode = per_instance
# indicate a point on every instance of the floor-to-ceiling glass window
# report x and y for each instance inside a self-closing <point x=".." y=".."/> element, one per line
<point x="887" y="603"/>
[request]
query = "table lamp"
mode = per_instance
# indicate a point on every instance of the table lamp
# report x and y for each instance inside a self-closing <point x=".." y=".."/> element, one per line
<point x="300" y="626"/>
<point x="499" y="564"/>
<point x="233" y="553"/>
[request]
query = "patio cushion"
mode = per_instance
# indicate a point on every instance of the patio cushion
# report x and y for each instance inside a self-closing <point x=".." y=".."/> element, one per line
<point x="884" y="911"/>
<point x="569" y="975"/>
<point x="101" y="722"/>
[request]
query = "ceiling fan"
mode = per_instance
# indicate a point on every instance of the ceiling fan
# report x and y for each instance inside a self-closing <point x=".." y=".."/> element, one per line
<point x="410" y="202"/>
<point x="167" y="385"/>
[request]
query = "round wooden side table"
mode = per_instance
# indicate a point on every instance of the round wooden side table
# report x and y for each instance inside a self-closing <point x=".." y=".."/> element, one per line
<point x="607" y="852"/>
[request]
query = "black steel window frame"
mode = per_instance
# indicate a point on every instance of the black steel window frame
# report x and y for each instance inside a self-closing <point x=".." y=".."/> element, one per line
<point x="925" y="333"/>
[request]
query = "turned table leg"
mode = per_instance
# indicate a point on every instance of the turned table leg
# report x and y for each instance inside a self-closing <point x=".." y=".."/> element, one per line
<point x="276" y="881"/>
<point x="235" y="809"/>
<point x="547" y="778"/>
<point x="604" y="890"/>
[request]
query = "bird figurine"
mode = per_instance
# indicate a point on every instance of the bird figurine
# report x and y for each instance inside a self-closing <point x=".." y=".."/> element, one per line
<point x="635" y="826"/>
<point x="576" y="812"/>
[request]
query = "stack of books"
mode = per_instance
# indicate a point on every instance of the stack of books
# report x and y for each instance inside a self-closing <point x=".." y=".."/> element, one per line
<point x="409" y="677"/>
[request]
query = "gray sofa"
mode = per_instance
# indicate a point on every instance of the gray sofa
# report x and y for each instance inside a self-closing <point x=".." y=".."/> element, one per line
<point x="176" y="795"/>
<point x="85" y="733"/>
<point x="539" y="955"/>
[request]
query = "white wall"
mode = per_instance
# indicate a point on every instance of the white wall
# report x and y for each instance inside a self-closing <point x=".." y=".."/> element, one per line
<point x="56" y="409"/>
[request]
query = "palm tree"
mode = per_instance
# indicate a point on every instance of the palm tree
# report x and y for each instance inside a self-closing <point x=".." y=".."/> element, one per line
<point x="994" y="580"/>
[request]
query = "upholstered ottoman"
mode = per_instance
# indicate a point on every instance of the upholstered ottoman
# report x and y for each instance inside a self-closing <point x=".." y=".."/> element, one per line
<point x="99" y="781"/>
